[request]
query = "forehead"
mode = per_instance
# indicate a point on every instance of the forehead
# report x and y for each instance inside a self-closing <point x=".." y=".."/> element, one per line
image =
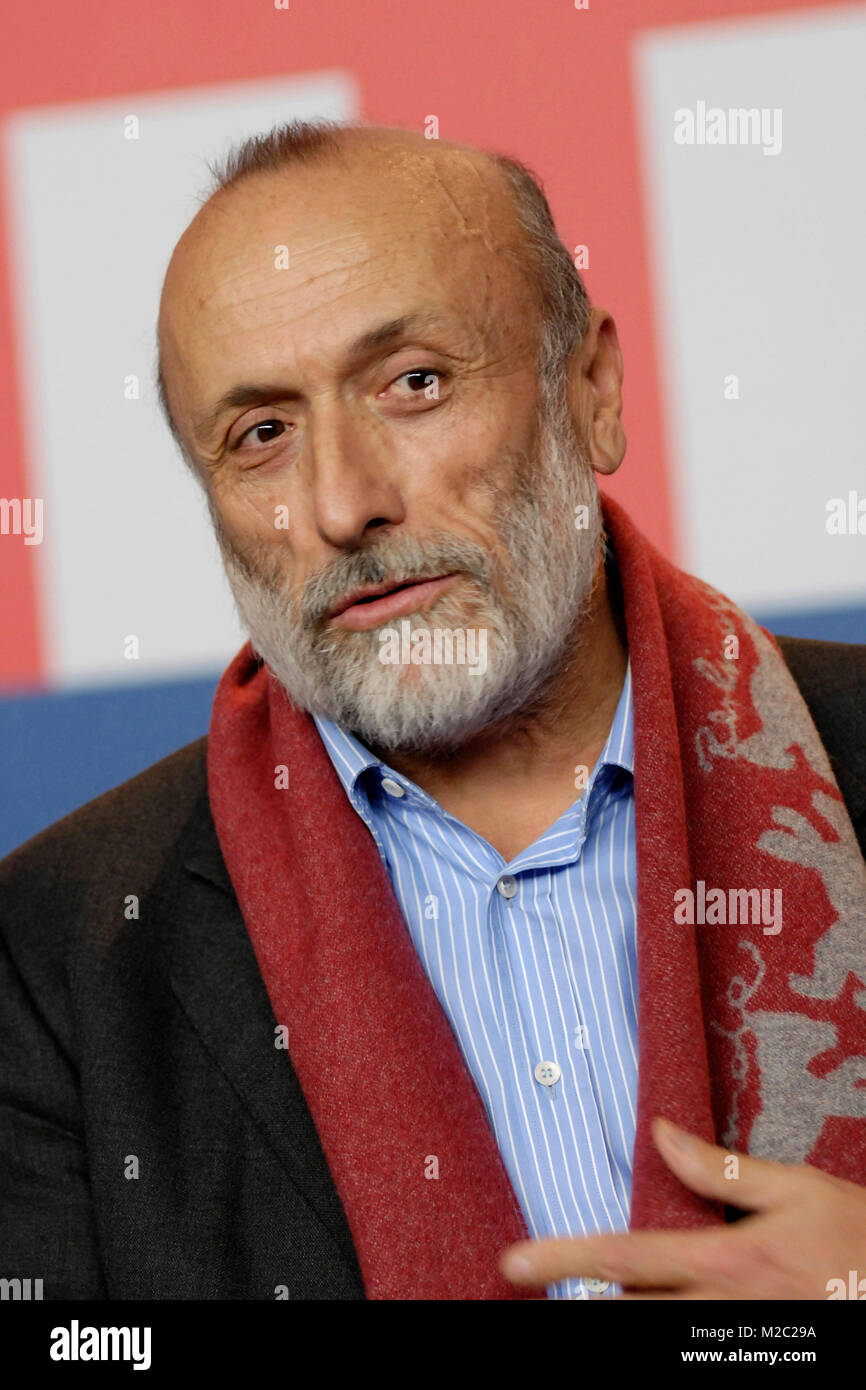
<point x="317" y="251"/>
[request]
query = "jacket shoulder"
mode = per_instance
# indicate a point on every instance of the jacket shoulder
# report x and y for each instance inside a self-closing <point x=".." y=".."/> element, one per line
<point x="115" y="842"/>
<point x="832" y="680"/>
<point x="828" y="666"/>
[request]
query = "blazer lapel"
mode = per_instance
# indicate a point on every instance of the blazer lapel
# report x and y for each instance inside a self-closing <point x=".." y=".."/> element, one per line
<point x="216" y="979"/>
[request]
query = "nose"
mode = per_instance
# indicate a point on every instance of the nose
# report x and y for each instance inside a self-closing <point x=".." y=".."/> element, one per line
<point x="353" y="475"/>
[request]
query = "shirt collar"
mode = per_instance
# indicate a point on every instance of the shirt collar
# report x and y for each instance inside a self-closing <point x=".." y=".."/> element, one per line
<point x="351" y="758"/>
<point x="349" y="755"/>
<point x="618" y="751"/>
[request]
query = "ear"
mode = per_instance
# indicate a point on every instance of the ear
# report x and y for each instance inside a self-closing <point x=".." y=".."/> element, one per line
<point x="595" y="392"/>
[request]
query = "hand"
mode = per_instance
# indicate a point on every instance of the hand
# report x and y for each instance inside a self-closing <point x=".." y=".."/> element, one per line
<point x="807" y="1229"/>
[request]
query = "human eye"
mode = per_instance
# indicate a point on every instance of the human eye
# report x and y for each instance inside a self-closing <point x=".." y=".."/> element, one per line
<point x="260" y="434"/>
<point x="422" y="382"/>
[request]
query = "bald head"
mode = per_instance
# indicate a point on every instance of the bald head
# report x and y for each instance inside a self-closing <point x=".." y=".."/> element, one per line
<point x="453" y="207"/>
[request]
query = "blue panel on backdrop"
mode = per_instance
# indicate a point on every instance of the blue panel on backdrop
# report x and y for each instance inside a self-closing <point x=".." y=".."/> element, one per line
<point x="823" y="625"/>
<point x="58" y="751"/>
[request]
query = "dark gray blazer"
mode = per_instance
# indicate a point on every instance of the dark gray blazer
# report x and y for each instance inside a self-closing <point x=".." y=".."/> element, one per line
<point x="148" y="1045"/>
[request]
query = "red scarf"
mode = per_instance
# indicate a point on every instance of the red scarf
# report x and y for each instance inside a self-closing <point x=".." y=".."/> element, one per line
<point x="748" y="1036"/>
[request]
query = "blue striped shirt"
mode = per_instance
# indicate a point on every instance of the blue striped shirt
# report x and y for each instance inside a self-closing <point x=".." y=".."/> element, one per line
<point x="534" y="963"/>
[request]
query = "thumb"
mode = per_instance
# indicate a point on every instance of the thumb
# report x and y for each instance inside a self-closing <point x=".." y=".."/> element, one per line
<point x="753" y="1184"/>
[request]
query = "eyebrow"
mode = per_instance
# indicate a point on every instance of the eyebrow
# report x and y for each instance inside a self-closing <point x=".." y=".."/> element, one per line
<point x="263" y="392"/>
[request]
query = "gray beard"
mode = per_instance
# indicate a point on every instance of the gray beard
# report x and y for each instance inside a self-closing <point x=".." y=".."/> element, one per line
<point x="532" y="611"/>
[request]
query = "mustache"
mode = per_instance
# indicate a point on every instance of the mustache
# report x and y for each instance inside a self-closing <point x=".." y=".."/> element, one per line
<point x="397" y="558"/>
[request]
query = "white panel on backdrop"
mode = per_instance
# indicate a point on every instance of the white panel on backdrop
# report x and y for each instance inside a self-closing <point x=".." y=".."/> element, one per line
<point x="127" y="548"/>
<point x="760" y="282"/>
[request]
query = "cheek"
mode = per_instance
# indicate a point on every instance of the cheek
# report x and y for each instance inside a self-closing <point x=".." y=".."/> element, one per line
<point x="262" y="513"/>
<point x="480" y="489"/>
<point x="468" y="468"/>
<point x="499" y="448"/>
<point x="271" y="528"/>
<point x="464" y="492"/>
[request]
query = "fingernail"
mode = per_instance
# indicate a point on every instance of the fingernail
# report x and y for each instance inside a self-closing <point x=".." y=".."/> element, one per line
<point x="518" y="1269"/>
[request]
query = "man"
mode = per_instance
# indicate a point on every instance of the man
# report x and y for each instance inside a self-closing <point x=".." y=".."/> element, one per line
<point x="509" y="843"/>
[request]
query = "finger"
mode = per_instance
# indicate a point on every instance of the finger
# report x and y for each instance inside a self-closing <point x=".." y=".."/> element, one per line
<point x="754" y="1184"/>
<point x="656" y="1259"/>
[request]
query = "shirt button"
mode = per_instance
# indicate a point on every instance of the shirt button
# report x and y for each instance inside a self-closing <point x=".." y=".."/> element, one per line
<point x="597" y="1285"/>
<point x="507" y="885"/>
<point x="548" y="1073"/>
<point x="391" y="787"/>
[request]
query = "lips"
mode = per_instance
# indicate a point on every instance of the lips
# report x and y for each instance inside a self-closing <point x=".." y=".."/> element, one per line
<point x="370" y="606"/>
<point x="373" y="591"/>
